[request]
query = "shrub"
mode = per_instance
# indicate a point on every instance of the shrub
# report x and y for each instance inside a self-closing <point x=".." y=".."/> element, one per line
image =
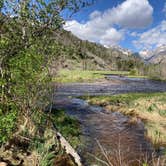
<point x="133" y="72"/>
<point x="7" y="121"/>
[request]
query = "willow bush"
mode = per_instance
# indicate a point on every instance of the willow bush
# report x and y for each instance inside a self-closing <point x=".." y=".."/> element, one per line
<point x="27" y="47"/>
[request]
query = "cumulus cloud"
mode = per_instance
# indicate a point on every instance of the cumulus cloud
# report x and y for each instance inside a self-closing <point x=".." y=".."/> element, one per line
<point x="95" y="14"/>
<point x="134" y="34"/>
<point x="101" y="25"/>
<point x="131" y="14"/>
<point x="153" y="37"/>
<point x="112" y="37"/>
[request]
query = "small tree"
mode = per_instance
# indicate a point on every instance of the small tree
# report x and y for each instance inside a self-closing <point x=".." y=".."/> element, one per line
<point x="27" y="46"/>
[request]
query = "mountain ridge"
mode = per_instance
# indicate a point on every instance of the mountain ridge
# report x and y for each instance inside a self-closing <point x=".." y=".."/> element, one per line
<point x="155" y="56"/>
<point x="94" y="55"/>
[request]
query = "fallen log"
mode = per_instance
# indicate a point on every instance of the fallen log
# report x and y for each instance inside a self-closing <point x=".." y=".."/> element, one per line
<point x="69" y="149"/>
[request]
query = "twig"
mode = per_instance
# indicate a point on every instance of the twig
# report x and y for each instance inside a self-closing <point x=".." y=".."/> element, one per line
<point x="104" y="162"/>
<point x="104" y="153"/>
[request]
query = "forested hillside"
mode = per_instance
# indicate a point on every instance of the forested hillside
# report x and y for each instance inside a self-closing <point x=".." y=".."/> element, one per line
<point x="85" y="55"/>
<point x="79" y="54"/>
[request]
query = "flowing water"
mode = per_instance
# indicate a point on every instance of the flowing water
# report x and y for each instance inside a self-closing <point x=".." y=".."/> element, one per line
<point x="114" y="85"/>
<point x="107" y="135"/>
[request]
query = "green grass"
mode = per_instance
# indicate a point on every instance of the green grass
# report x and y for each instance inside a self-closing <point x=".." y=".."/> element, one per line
<point x="68" y="76"/>
<point x="157" y="78"/>
<point x="71" y="76"/>
<point x="137" y="76"/>
<point x="68" y="126"/>
<point x="8" y="121"/>
<point x="45" y="145"/>
<point x="150" y="107"/>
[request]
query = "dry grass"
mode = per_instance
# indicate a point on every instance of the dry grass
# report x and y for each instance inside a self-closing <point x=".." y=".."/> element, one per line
<point x="151" y="108"/>
<point x="119" y="158"/>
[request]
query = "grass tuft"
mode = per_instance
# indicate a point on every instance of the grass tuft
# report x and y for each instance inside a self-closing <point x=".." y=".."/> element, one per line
<point x="150" y="107"/>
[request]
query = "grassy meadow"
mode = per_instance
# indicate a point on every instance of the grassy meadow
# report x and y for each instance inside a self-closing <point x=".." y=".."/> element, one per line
<point x="71" y="76"/>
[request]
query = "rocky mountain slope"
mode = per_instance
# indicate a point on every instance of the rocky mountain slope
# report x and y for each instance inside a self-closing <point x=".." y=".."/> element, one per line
<point x="87" y="55"/>
<point x="156" y="56"/>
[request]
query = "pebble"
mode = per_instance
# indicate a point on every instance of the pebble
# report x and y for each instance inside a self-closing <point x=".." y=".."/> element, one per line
<point x="3" y="164"/>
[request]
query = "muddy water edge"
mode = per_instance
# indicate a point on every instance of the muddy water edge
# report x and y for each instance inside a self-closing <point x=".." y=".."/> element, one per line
<point x="108" y="136"/>
<point x="107" y="133"/>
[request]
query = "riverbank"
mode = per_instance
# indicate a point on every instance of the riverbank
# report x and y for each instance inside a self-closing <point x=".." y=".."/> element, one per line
<point x="79" y="76"/>
<point x="36" y="140"/>
<point x="142" y="99"/>
<point x="72" y="76"/>
<point x="131" y="131"/>
<point x="149" y="107"/>
<point x="122" y="140"/>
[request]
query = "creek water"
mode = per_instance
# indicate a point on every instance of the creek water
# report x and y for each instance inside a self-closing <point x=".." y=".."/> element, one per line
<point x="108" y="135"/>
<point x="114" y="85"/>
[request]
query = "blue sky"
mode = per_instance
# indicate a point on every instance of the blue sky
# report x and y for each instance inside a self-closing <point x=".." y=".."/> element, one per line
<point x="132" y="24"/>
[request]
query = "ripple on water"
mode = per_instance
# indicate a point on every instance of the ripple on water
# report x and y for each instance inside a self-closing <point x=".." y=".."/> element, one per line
<point x="115" y="85"/>
<point x="109" y="130"/>
<point x="122" y="141"/>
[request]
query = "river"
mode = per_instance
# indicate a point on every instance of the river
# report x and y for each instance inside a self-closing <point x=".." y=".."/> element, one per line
<point x="108" y="135"/>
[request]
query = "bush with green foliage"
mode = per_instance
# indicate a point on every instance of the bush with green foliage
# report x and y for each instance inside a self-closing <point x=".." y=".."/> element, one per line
<point x="27" y="47"/>
<point x="8" y="119"/>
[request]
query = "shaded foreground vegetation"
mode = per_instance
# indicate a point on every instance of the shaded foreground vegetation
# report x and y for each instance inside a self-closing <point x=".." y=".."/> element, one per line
<point x="35" y="141"/>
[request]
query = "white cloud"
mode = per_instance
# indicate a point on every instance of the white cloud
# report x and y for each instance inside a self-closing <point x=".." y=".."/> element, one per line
<point x="134" y="34"/>
<point x="101" y="26"/>
<point x="84" y="31"/>
<point x="112" y="37"/>
<point x="95" y="14"/>
<point x="153" y="37"/>
<point x="131" y="14"/>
